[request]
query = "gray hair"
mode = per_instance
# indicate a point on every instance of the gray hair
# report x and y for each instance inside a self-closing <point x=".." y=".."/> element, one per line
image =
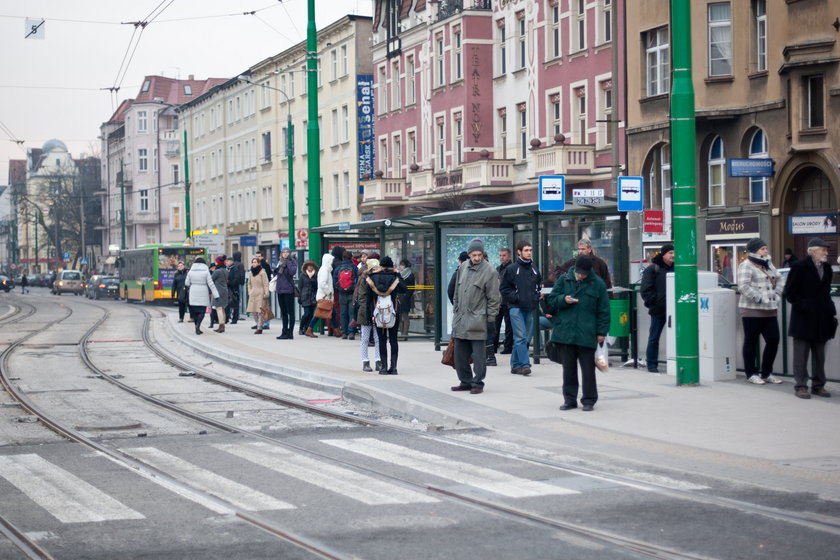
<point x="813" y="250"/>
<point x="585" y="241"/>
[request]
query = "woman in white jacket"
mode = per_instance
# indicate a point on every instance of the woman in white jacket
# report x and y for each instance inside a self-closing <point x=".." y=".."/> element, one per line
<point x="325" y="291"/>
<point x="201" y="286"/>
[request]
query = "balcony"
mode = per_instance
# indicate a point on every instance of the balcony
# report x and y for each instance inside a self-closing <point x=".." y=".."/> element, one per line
<point x="422" y="182"/>
<point x="564" y="159"/>
<point x="487" y="172"/>
<point x="145" y="218"/>
<point x="128" y="182"/>
<point x="384" y="191"/>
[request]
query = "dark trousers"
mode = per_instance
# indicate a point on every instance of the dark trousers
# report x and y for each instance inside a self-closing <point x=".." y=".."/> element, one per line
<point x="345" y="307"/>
<point x="389" y="336"/>
<point x="233" y="304"/>
<point x="464" y="350"/>
<point x="755" y="327"/>
<point x="197" y="312"/>
<point x="504" y="315"/>
<point x="182" y="309"/>
<point x="286" y="303"/>
<point x="801" y="349"/>
<point x="571" y="355"/>
<point x="657" y="323"/>
<point x="306" y="318"/>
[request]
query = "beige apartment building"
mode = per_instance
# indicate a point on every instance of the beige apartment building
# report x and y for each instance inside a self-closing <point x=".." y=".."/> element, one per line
<point x="239" y="154"/>
<point x="767" y="87"/>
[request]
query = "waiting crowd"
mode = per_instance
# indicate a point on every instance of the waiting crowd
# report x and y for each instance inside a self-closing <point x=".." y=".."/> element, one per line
<point x="368" y="295"/>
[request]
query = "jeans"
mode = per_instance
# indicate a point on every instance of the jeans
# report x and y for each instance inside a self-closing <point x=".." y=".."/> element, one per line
<point x="754" y="327"/>
<point x="345" y="306"/>
<point x="657" y="323"/>
<point x="308" y="315"/>
<point x="522" y="321"/>
<point x="286" y="303"/>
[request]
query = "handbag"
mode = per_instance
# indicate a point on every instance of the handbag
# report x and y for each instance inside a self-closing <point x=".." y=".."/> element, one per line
<point x="266" y="314"/>
<point x="552" y="350"/>
<point x="448" y="358"/>
<point x="272" y="284"/>
<point x="323" y="308"/>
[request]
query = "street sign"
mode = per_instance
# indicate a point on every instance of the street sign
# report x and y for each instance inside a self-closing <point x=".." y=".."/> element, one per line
<point x="66" y="256"/>
<point x="654" y="221"/>
<point x="552" y="193"/>
<point x="343" y="226"/>
<point x="248" y="240"/>
<point x="631" y="194"/>
<point x="83" y="260"/>
<point x="751" y="167"/>
<point x="587" y="197"/>
<point x="213" y="242"/>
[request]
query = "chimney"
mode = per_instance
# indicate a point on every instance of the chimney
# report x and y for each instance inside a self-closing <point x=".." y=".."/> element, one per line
<point x="191" y="77"/>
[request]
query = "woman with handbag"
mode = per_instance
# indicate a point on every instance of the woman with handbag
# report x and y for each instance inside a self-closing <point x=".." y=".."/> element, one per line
<point x="257" y="294"/>
<point x="284" y="278"/>
<point x="324" y="297"/>
<point x="307" y="288"/>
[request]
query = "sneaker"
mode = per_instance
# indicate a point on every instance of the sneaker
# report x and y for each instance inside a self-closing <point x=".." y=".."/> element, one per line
<point x="772" y="379"/>
<point x="820" y="392"/>
<point x="802" y="393"/>
<point x="755" y="378"/>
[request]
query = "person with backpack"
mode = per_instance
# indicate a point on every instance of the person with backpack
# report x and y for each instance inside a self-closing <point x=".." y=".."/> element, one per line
<point x="652" y="291"/>
<point x="345" y="277"/>
<point x="363" y="318"/>
<point x="382" y="290"/>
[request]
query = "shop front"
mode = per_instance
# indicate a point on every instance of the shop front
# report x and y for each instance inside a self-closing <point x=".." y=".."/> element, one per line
<point x="726" y="240"/>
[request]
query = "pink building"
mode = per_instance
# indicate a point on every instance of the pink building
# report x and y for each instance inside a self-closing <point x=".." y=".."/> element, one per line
<point x="475" y="99"/>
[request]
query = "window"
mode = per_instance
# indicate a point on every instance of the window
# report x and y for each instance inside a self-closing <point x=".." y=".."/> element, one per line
<point x="556" y="114"/>
<point x="336" y="193"/>
<point x="605" y="21"/>
<point x="334" y="122"/>
<point x="321" y="192"/>
<point x="230" y="159"/>
<point x="238" y="108"/>
<point x="284" y="209"/>
<point x="523" y="132"/>
<point x="458" y="126"/>
<point x="659" y="178"/>
<point x="658" y="61"/>
<point x="176" y="174"/>
<point x="345" y="123"/>
<point x="717" y="177"/>
<point x="395" y="86"/>
<point x="213" y="166"/>
<point x="578" y="23"/>
<point x="230" y="111"/>
<point x="521" y="50"/>
<point x="144" y="200"/>
<point x="383" y="91"/>
<point x="239" y="156"/>
<point x="346" y="177"/>
<point x="579" y="115"/>
<point x="142" y="160"/>
<point x="412" y="147"/>
<point x="760" y="11"/>
<point x="291" y="90"/>
<point x="503" y="131"/>
<point x="758" y="149"/>
<point x="606" y="103"/>
<point x="344" y="68"/>
<point x="155" y="159"/>
<point x="146" y="85"/>
<point x="333" y="65"/>
<point x="441" y="145"/>
<point x="554" y="31"/>
<point x="187" y="90"/>
<point x="142" y="122"/>
<point x="175" y="217"/>
<point x="410" y="95"/>
<point x="457" y="64"/>
<point x="397" y="153"/>
<point x="814" y="101"/>
<point x="720" y="39"/>
<point x="266" y="137"/>
<point x="439" y="74"/>
<point x="266" y="95"/>
<point x="502" y="49"/>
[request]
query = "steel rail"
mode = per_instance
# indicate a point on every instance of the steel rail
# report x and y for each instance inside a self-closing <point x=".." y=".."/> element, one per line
<point x="26" y="545"/>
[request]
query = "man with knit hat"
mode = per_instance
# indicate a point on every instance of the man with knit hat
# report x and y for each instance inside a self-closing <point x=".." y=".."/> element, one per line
<point x="476" y="302"/>
<point x="653" y="294"/>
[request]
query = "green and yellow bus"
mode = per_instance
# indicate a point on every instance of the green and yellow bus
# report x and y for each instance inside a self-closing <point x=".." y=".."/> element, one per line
<point x="147" y="271"/>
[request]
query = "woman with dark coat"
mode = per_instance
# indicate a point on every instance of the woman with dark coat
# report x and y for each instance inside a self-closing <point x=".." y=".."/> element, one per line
<point x="406" y="299"/>
<point x="220" y="279"/>
<point x="360" y="302"/>
<point x="201" y="286"/>
<point x="307" y="288"/>
<point x="385" y="281"/>
<point x="179" y="291"/>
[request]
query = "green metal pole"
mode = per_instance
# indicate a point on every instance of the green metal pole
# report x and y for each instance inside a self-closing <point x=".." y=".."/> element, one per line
<point x="684" y="209"/>
<point x="290" y="152"/>
<point x="122" y="206"/>
<point x="187" y="187"/>
<point x="36" y="246"/>
<point x="313" y="136"/>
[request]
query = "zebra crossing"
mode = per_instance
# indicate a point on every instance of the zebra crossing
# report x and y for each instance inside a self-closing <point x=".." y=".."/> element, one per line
<point x="69" y="499"/>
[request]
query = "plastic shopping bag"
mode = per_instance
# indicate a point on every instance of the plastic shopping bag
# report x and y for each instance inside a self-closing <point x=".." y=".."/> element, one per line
<point x="602" y="360"/>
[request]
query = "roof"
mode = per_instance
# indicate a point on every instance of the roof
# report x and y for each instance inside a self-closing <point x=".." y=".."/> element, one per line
<point x="172" y="90"/>
<point x="404" y="222"/>
<point x="119" y="114"/>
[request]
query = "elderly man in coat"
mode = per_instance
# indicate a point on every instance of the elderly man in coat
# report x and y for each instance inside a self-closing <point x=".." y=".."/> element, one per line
<point x="201" y="286"/>
<point x="476" y="302"/>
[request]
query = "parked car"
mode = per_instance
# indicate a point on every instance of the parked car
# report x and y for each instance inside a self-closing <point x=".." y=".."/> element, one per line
<point x="100" y="286"/>
<point x="33" y="280"/>
<point x="6" y="283"/>
<point x="68" y="281"/>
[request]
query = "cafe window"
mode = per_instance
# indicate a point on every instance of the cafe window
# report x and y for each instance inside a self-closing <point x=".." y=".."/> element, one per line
<point x="725" y="259"/>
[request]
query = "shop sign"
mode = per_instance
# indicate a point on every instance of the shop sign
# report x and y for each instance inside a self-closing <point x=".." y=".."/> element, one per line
<point x="758" y="167"/>
<point x="356" y="246"/>
<point x="746" y="226"/>
<point x="654" y="221"/>
<point x="248" y="240"/>
<point x="814" y="224"/>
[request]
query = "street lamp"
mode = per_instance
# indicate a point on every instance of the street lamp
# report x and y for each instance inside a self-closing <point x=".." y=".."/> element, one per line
<point x="289" y="154"/>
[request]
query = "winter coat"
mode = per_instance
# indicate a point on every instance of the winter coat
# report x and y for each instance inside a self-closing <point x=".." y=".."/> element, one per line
<point x="307" y="287"/>
<point x="285" y="273"/>
<point x="201" y="285"/>
<point x="237" y="271"/>
<point x="220" y="279"/>
<point x="325" y="280"/>
<point x="382" y="278"/>
<point x="757" y="289"/>
<point x="599" y="265"/>
<point x="812" y="312"/>
<point x="337" y="268"/>
<point x="520" y="285"/>
<point x="361" y="298"/>
<point x="407" y="298"/>
<point x="257" y="292"/>
<point x="653" y="286"/>
<point x="582" y="322"/>
<point x="179" y="289"/>
<point x="476" y="301"/>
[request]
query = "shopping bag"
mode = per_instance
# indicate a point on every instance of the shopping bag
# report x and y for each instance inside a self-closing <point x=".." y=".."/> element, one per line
<point x="602" y="359"/>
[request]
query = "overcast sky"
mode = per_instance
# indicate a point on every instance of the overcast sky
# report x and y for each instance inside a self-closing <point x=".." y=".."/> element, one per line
<point x="58" y="87"/>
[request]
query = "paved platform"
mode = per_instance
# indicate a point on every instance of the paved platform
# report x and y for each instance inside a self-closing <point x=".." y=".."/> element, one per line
<point x="730" y="429"/>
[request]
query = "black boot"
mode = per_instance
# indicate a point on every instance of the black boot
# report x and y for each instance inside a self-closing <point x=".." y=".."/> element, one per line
<point x="383" y="367"/>
<point x="285" y="335"/>
<point x="378" y="365"/>
<point x="366" y="366"/>
<point x="491" y="355"/>
<point x="393" y="369"/>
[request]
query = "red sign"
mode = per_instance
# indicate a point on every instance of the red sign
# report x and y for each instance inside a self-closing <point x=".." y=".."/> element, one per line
<point x="654" y="221"/>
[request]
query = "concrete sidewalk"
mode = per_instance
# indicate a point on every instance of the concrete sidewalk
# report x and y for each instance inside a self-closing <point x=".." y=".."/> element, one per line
<point x="729" y="429"/>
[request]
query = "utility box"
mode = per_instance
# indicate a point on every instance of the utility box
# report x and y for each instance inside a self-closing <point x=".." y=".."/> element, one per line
<point x="705" y="281"/>
<point x="717" y="320"/>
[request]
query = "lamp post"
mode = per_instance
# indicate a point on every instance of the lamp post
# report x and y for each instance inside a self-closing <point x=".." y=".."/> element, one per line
<point x="290" y="152"/>
<point x="122" y="206"/>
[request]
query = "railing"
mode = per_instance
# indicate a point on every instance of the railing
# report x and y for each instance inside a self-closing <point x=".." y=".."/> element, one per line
<point x="146" y="217"/>
<point x="560" y="159"/>
<point x="384" y="189"/>
<point x="451" y="7"/>
<point x="422" y="182"/>
<point x="488" y="172"/>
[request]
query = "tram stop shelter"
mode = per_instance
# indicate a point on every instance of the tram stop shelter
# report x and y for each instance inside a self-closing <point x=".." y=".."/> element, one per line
<point x="554" y="236"/>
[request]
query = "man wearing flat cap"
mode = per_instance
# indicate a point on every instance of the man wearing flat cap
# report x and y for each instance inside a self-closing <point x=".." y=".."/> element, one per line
<point x="476" y="302"/>
<point x="813" y="318"/>
<point x="653" y="294"/>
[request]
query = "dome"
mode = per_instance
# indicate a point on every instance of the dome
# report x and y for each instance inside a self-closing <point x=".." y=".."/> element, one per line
<point x="54" y="145"/>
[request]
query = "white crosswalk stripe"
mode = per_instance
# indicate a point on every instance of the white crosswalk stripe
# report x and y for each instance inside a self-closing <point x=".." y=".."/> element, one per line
<point x="463" y="473"/>
<point x="206" y="481"/>
<point x="64" y="495"/>
<point x="340" y="480"/>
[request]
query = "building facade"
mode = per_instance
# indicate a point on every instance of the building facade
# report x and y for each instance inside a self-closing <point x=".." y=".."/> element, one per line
<point x="768" y="92"/>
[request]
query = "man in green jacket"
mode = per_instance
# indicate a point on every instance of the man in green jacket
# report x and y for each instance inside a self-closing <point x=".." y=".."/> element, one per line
<point x="581" y="323"/>
<point x="476" y="302"/>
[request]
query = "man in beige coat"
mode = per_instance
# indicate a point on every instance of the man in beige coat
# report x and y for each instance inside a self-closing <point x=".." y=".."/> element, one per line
<point x="476" y="302"/>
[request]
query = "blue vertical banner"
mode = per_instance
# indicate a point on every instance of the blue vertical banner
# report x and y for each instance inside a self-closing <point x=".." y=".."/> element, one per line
<point x="367" y="145"/>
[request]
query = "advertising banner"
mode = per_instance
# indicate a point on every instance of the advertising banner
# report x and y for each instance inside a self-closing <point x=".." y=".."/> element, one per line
<point x="367" y="145"/>
<point x="813" y="224"/>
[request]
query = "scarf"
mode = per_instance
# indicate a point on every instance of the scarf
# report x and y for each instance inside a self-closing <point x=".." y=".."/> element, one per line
<point x="255" y="270"/>
<point x="405" y="273"/>
<point x="758" y="261"/>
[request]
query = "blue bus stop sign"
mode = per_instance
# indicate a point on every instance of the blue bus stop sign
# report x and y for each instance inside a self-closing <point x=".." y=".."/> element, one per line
<point x="552" y="193"/>
<point x="631" y="192"/>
